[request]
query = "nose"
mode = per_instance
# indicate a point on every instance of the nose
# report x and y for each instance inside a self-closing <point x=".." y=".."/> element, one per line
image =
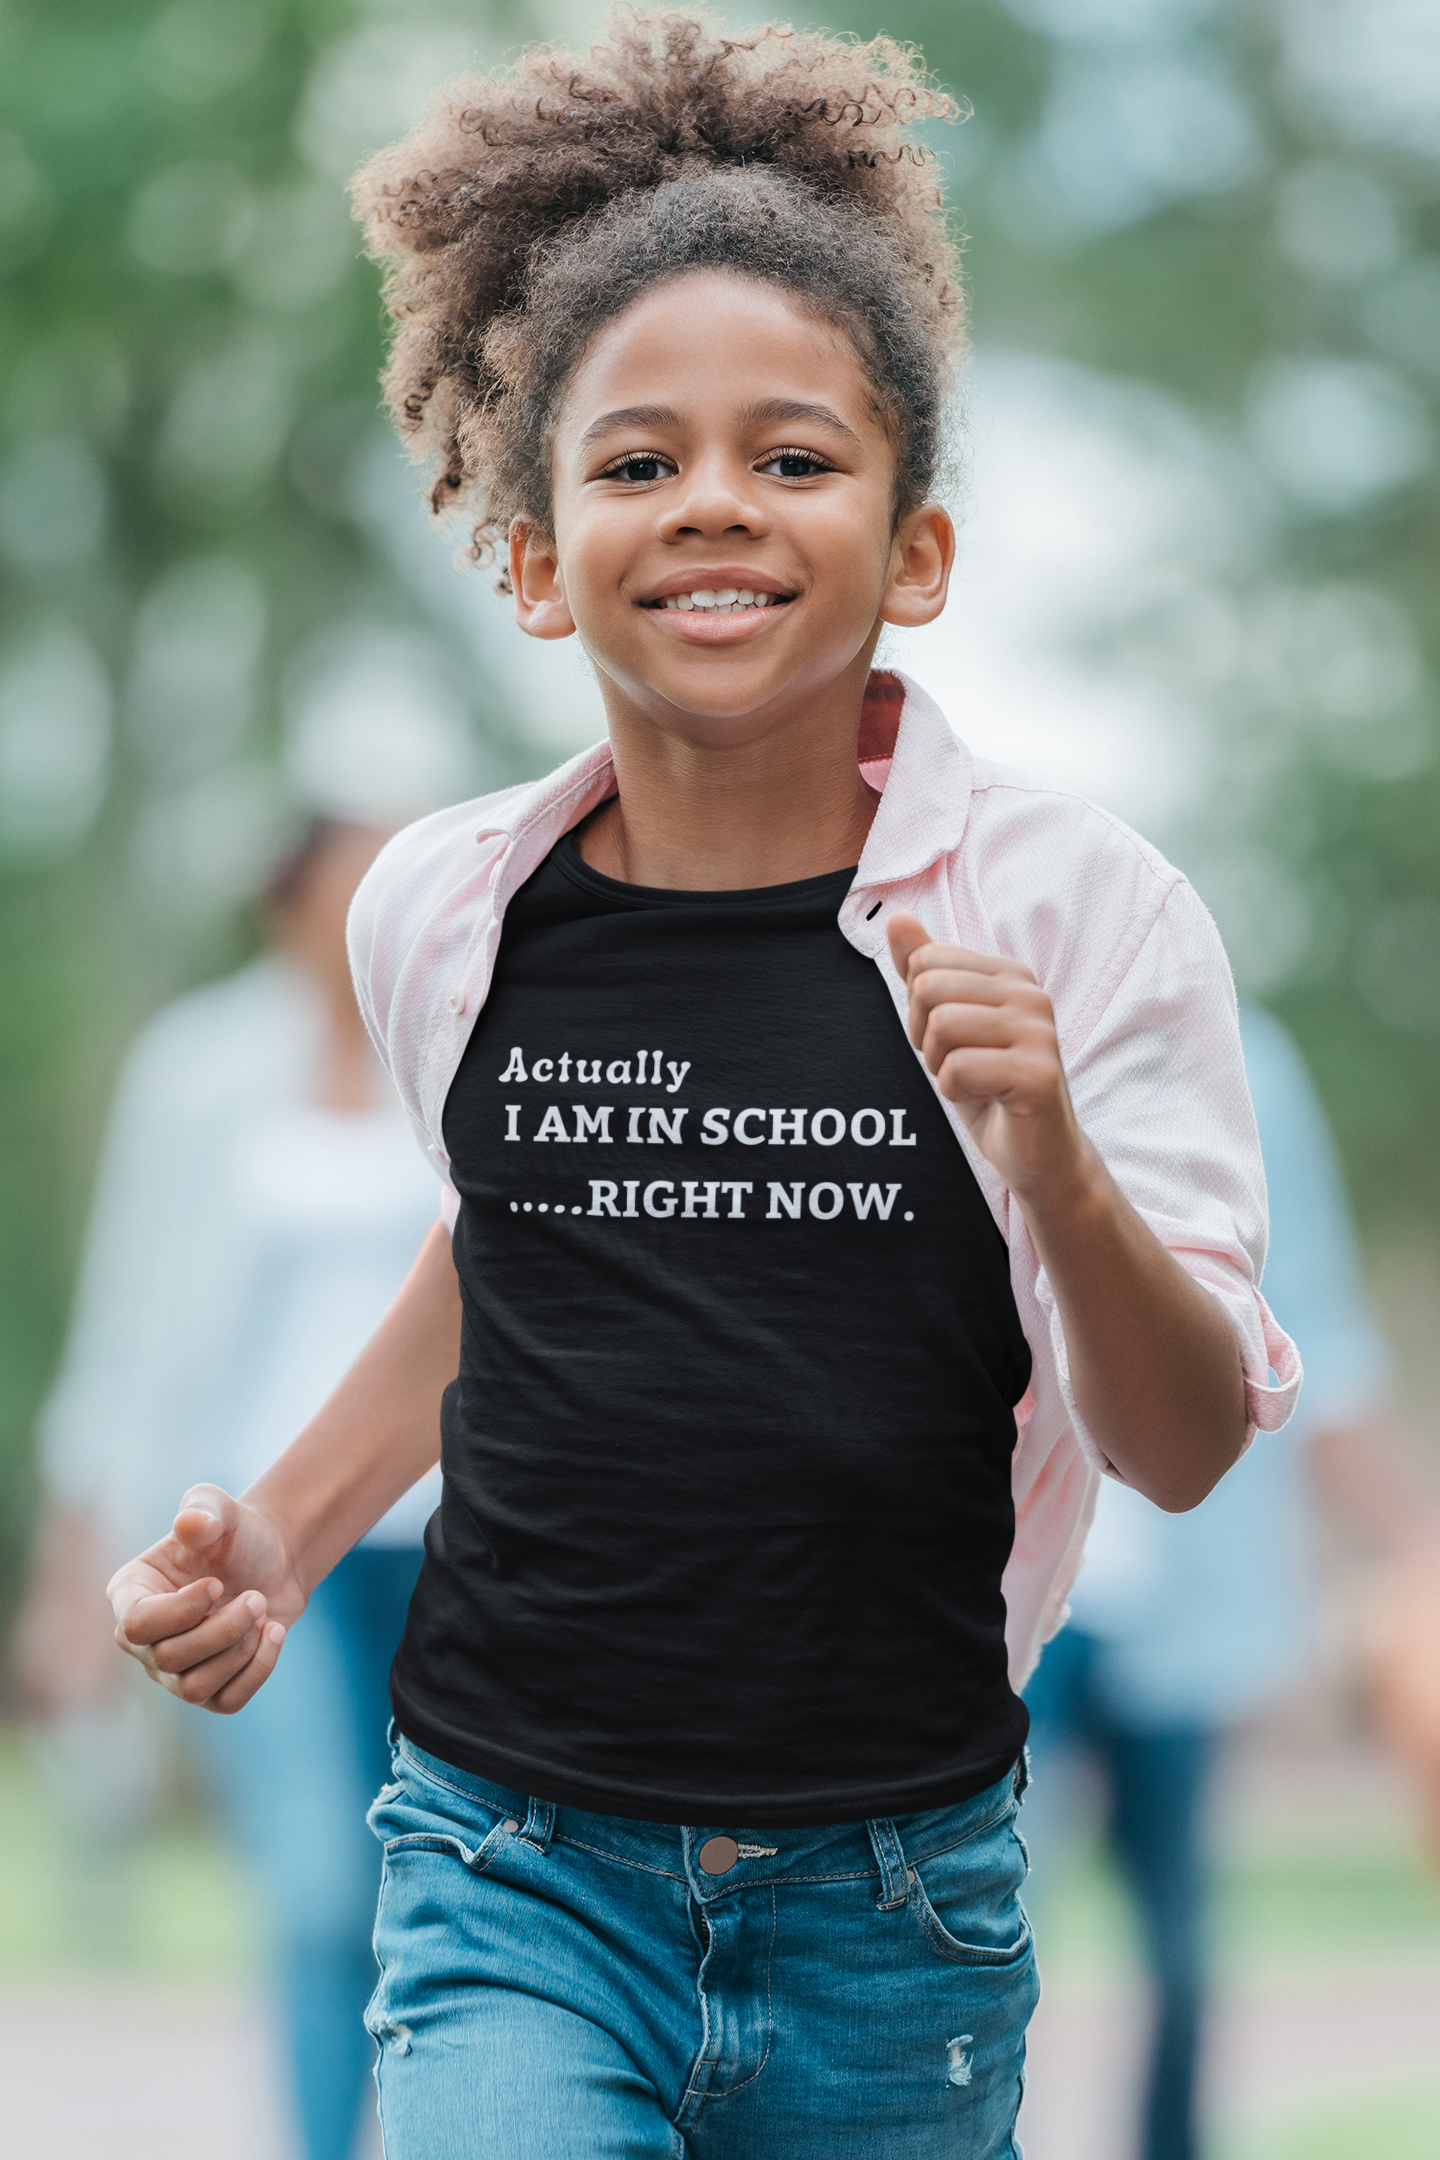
<point x="719" y="497"/>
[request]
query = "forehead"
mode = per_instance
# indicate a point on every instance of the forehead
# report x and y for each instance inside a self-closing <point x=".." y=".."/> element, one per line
<point x="712" y="341"/>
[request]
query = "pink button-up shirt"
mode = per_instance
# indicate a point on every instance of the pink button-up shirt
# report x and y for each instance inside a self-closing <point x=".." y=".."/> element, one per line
<point x="1132" y="963"/>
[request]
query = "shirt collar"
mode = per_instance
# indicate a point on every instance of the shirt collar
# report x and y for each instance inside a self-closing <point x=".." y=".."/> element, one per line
<point x="925" y="799"/>
<point x="906" y="747"/>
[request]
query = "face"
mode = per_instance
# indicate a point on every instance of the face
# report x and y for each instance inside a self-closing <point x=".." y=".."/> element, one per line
<point x="724" y="539"/>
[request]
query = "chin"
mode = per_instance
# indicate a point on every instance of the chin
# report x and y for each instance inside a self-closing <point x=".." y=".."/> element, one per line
<point x="727" y="714"/>
<point x="706" y="702"/>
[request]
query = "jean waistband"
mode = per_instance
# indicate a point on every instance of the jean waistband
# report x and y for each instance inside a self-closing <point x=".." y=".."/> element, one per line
<point x="881" y="1847"/>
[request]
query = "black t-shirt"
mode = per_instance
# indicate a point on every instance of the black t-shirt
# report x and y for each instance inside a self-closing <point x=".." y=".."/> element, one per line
<point x="727" y="1465"/>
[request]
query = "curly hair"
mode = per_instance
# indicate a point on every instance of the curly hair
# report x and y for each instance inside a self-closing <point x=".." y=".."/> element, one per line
<point x="533" y="207"/>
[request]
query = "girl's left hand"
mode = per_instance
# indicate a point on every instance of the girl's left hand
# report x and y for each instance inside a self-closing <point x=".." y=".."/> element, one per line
<point x="986" y="1030"/>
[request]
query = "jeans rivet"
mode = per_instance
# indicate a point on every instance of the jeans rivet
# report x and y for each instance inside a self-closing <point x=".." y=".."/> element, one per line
<point x="510" y="1824"/>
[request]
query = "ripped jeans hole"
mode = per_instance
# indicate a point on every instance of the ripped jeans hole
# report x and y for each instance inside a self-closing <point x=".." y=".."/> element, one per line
<point x="387" y="2031"/>
<point x="960" y="2063"/>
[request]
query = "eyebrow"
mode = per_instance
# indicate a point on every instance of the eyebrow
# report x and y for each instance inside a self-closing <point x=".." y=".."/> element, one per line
<point x="632" y="416"/>
<point x="665" y="416"/>
<point x="776" y="409"/>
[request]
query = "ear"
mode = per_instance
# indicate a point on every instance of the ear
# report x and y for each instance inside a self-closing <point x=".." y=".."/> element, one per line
<point x="921" y="560"/>
<point x="541" y="608"/>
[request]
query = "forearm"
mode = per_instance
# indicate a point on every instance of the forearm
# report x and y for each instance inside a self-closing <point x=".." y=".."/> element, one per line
<point x="1154" y="1364"/>
<point x="380" y="1430"/>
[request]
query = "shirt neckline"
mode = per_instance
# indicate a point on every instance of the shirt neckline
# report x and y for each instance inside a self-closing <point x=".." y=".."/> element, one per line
<point x="567" y="858"/>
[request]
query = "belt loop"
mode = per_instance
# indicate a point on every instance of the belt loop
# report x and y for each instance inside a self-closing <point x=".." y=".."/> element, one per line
<point x="894" y="1875"/>
<point x="1023" y="1772"/>
<point x="539" y="1824"/>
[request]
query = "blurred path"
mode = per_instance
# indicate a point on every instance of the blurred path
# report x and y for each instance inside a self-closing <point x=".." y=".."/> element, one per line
<point x="1278" y="2050"/>
<point x="91" y="2068"/>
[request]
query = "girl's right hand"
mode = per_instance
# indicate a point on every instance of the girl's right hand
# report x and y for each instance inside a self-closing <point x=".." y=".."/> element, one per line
<point x="206" y="1610"/>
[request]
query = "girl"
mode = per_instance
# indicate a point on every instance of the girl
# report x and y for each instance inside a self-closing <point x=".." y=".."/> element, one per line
<point x="788" y="1348"/>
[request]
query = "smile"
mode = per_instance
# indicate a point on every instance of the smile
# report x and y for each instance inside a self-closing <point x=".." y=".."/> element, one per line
<point x="729" y="601"/>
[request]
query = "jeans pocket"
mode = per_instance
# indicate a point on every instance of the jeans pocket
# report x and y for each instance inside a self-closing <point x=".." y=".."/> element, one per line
<point x="417" y="1814"/>
<point x="967" y="1900"/>
<point x="475" y="1857"/>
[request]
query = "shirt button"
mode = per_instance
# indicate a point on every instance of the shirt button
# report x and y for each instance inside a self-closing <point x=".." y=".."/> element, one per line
<point x="457" y="1001"/>
<point x="718" y="1855"/>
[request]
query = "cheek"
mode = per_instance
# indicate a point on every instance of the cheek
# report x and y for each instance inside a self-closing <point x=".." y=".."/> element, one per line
<point x="592" y="545"/>
<point x="853" y="545"/>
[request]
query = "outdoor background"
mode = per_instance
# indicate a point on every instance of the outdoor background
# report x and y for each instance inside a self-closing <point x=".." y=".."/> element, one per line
<point x="1199" y="583"/>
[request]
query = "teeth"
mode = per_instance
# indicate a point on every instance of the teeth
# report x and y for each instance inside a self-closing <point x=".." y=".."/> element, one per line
<point x="719" y="603"/>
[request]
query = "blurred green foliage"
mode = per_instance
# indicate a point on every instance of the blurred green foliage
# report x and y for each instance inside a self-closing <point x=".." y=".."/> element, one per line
<point x="1166" y="191"/>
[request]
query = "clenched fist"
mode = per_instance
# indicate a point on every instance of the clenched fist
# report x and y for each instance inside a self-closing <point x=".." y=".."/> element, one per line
<point x="206" y="1609"/>
<point x="986" y="1030"/>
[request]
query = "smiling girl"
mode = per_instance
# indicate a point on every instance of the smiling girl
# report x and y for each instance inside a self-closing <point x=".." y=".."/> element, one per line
<point x="847" y="1152"/>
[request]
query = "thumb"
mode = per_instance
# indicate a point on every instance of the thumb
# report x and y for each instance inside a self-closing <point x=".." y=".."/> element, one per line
<point x="204" y="1517"/>
<point x="907" y="934"/>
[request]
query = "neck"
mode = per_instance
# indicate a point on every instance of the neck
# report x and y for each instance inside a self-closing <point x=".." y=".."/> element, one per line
<point x="786" y="802"/>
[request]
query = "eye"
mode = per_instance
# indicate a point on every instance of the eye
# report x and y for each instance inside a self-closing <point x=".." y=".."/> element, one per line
<point x="794" y="464"/>
<point x="642" y="468"/>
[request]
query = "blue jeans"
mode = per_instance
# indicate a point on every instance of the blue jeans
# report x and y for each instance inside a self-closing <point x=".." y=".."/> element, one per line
<point x="1156" y="1781"/>
<point x="555" y="1982"/>
<point x="293" y="1776"/>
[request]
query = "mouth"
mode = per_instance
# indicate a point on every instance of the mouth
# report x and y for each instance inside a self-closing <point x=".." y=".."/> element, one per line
<point x="717" y="596"/>
<point x="729" y="601"/>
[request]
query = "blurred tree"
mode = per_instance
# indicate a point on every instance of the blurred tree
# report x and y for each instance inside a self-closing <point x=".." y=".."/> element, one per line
<point x="1238" y="203"/>
<point x="188" y="348"/>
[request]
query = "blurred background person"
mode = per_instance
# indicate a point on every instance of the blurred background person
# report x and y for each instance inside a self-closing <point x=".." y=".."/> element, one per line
<point x="259" y="1201"/>
<point x="1183" y="1625"/>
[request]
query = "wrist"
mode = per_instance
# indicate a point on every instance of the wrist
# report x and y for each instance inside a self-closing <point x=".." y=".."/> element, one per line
<point x="1074" y="1196"/>
<point x="288" y="1532"/>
